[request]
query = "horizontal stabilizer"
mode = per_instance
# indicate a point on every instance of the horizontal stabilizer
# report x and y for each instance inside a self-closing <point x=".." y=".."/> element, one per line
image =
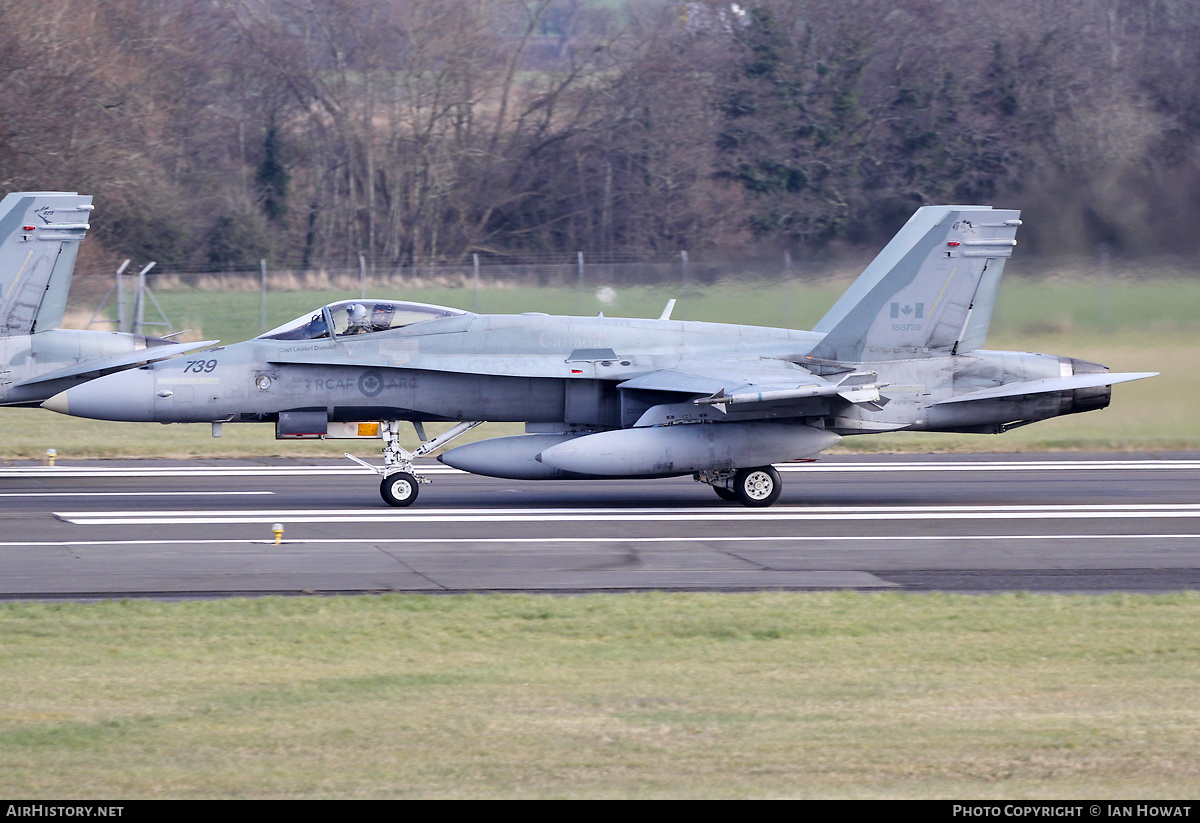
<point x="1050" y="384"/>
<point x="119" y="361"/>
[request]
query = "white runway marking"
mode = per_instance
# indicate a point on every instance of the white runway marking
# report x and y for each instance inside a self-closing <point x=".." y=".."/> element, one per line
<point x="201" y="471"/>
<point x="776" y="514"/>
<point x="437" y="468"/>
<point x="986" y="465"/>
<point x="451" y="541"/>
<point x="130" y="494"/>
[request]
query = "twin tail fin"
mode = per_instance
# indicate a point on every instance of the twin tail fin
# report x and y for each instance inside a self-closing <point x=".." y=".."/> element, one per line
<point x="40" y="234"/>
<point x="930" y="292"/>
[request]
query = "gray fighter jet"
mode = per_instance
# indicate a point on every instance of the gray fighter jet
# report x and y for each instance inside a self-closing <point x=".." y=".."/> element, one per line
<point x="624" y="398"/>
<point x="40" y="233"/>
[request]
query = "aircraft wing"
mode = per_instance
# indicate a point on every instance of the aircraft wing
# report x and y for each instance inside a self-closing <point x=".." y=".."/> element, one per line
<point x="757" y="386"/>
<point x="710" y="376"/>
<point x="114" y="362"/>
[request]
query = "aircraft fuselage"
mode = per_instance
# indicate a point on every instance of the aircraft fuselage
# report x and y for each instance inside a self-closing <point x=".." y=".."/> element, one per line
<point x="569" y="374"/>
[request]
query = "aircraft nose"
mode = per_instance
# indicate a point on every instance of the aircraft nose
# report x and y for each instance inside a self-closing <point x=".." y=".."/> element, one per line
<point x="126" y="395"/>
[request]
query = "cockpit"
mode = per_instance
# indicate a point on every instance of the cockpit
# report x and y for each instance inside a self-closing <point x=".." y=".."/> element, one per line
<point x="352" y="317"/>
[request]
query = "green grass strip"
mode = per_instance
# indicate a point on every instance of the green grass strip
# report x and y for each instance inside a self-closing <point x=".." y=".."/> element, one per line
<point x="627" y="696"/>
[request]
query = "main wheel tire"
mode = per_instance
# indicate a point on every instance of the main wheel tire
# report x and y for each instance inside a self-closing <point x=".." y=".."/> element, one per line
<point x="399" y="489"/>
<point x="757" y="487"/>
<point x="728" y="495"/>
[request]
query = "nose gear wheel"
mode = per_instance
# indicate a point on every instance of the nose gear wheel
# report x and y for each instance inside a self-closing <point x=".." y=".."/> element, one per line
<point x="399" y="489"/>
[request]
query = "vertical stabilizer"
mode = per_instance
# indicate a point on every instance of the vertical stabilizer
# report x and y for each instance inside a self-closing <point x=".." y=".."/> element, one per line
<point x="39" y="240"/>
<point x="930" y="291"/>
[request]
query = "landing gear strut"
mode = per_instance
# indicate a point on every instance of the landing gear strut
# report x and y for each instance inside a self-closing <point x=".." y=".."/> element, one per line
<point x="755" y="487"/>
<point x="400" y="481"/>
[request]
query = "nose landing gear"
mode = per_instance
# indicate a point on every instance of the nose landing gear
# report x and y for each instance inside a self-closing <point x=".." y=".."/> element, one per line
<point x="400" y="481"/>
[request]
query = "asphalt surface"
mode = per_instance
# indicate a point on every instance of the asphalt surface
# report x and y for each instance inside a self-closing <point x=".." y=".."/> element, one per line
<point x="968" y="523"/>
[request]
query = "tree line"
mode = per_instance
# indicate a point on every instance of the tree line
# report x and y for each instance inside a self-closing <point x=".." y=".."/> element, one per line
<point x="410" y="131"/>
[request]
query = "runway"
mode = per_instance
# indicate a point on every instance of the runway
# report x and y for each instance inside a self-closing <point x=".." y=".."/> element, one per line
<point x="971" y="523"/>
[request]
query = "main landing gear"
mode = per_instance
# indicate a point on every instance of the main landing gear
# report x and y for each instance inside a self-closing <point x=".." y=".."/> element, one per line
<point x="756" y="487"/>
<point x="400" y="482"/>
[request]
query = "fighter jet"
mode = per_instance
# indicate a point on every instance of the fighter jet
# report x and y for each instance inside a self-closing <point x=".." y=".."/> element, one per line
<point x="606" y="397"/>
<point x="40" y="233"/>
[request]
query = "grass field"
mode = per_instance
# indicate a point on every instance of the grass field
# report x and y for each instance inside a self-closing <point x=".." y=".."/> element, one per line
<point x="1128" y="324"/>
<point x="638" y="695"/>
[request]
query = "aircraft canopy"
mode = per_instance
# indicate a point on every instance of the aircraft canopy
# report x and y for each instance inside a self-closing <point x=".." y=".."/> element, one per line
<point x="352" y="317"/>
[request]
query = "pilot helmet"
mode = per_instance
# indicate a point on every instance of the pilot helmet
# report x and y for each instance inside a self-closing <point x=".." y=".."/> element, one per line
<point x="357" y="313"/>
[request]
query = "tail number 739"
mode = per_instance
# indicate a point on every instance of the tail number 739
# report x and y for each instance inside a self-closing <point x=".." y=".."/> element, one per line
<point x="200" y="366"/>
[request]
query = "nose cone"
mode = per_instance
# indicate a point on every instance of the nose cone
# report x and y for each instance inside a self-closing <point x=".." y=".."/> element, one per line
<point x="126" y="395"/>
